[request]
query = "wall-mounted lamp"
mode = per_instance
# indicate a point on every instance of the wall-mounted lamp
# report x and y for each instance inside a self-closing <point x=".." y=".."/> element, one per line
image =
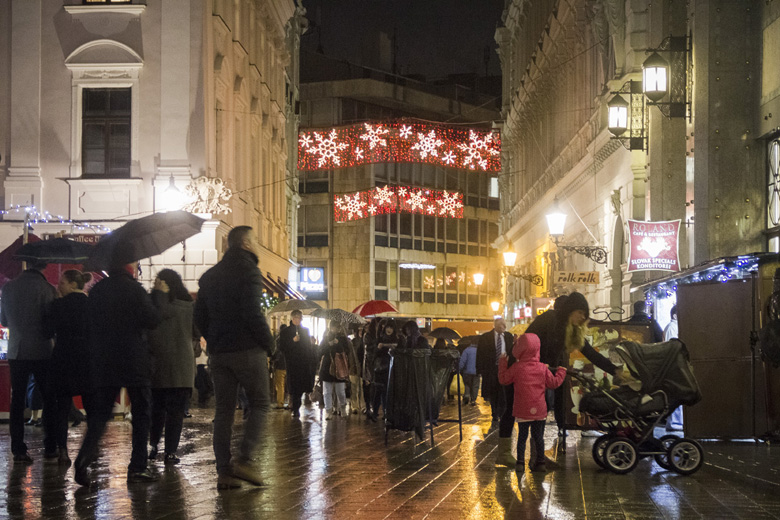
<point x="172" y="197"/>
<point x="626" y="116"/>
<point x="556" y="221"/>
<point x="495" y="305"/>
<point x="668" y="78"/>
<point x="478" y="279"/>
<point x="510" y="257"/>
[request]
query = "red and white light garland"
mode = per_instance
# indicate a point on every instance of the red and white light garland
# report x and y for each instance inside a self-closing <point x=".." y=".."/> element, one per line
<point x="399" y="141"/>
<point x="398" y="199"/>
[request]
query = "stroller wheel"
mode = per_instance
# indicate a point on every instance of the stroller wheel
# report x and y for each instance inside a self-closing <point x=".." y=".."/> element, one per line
<point x="663" y="460"/>
<point x="620" y="455"/>
<point x="686" y="456"/>
<point x="598" y="449"/>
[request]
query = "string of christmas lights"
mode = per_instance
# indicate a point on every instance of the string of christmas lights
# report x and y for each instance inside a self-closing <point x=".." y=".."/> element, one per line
<point x="399" y="141"/>
<point x="397" y="199"/>
<point x="34" y="216"/>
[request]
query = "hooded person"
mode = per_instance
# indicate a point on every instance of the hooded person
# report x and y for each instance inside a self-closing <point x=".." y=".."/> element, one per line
<point x="529" y="378"/>
<point x="559" y="337"/>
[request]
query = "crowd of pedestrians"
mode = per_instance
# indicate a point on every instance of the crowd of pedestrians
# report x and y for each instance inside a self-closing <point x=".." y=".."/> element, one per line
<point x="152" y="344"/>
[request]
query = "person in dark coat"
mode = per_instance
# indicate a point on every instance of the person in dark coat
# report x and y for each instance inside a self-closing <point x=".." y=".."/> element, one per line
<point x="560" y="332"/>
<point x="333" y="342"/>
<point x="490" y="347"/>
<point x="119" y="311"/>
<point x="414" y="338"/>
<point x="70" y="358"/>
<point x="25" y="311"/>
<point x="295" y="345"/>
<point x="279" y="364"/>
<point x="641" y="317"/>
<point x="229" y="314"/>
<point x="173" y="362"/>
<point x="387" y="338"/>
<point x="370" y="337"/>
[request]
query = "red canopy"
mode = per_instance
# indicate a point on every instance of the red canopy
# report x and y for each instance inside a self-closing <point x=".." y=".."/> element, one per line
<point x="374" y="307"/>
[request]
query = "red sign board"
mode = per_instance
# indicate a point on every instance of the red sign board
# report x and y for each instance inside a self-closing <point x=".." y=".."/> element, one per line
<point x="653" y="246"/>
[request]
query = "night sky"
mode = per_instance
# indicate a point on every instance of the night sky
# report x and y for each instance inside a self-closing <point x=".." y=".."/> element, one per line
<point x="434" y="37"/>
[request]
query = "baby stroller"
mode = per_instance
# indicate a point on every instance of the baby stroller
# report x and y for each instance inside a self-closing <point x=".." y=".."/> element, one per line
<point x="629" y="413"/>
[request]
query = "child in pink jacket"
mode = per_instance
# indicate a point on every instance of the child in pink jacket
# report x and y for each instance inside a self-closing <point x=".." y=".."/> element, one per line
<point x="530" y="379"/>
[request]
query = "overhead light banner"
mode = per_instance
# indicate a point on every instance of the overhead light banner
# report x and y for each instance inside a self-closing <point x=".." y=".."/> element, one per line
<point x="653" y="246"/>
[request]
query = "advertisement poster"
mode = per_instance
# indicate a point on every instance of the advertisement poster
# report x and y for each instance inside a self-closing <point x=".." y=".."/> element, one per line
<point x="653" y="246"/>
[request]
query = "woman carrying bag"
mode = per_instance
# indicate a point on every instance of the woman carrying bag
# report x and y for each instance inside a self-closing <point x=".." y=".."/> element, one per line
<point x="334" y="370"/>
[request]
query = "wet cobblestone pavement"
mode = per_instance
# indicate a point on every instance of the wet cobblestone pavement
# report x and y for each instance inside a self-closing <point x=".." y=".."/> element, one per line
<point x="341" y="469"/>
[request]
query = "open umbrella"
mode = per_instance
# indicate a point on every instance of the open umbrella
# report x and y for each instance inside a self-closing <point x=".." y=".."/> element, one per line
<point x="293" y="305"/>
<point x="444" y="333"/>
<point x="374" y="307"/>
<point x="339" y="316"/>
<point x="142" y="238"/>
<point x="54" y="251"/>
<point x="466" y="341"/>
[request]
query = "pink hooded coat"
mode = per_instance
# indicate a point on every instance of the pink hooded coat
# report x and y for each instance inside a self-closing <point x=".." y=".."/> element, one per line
<point x="529" y="377"/>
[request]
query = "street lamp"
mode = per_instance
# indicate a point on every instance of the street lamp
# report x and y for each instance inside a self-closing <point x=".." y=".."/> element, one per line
<point x="510" y="256"/>
<point x="617" y="115"/>
<point x="655" y="73"/>
<point x="478" y="279"/>
<point x="556" y="221"/>
<point x="495" y="305"/>
<point x="172" y="198"/>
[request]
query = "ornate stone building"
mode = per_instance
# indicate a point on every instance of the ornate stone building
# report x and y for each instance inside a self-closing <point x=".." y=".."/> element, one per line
<point x="111" y="110"/>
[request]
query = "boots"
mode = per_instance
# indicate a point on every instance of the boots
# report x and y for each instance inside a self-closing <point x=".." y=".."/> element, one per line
<point x="505" y="457"/>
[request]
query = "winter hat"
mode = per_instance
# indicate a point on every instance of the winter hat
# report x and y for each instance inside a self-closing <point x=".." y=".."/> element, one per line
<point x="575" y="302"/>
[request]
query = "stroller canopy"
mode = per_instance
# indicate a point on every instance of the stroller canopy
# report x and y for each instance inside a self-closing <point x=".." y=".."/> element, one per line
<point x="662" y="366"/>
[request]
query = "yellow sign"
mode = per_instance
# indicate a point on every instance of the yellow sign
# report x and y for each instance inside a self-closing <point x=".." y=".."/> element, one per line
<point x="583" y="277"/>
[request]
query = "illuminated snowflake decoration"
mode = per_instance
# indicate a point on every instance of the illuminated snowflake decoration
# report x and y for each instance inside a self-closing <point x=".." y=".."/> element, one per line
<point x="431" y="210"/>
<point x="353" y="206"/>
<point x="372" y="209"/>
<point x="405" y="131"/>
<point x="327" y="148"/>
<point x="428" y="144"/>
<point x="374" y="136"/>
<point x="449" y="157"/>
<point x="402" y="192"/>
<point x="429" y="282"/>
<point x="305" y="141"/>
<point x="449" y="203"/>
<point x="416" y="200"/>
<point x="358" y="154"/>
<point x="384" y="196"/>
<point x="475" y="150"/>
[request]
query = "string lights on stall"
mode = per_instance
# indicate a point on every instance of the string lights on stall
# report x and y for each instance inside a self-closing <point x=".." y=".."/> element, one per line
<point x="397" y="199"/>
<point x="33" y="215"/>
<point x="399" y="141"/>
<point x="738" y="269"/>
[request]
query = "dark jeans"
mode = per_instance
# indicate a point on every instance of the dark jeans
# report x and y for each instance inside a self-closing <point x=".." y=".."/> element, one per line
<point x="537" y="438"/>
<point x="168" y="406"/>
<point x="471" y="381"/>
<point x="20" y="375"/>
<point x="558" y="408"/>
<point x="99" y="405"/>
<point x="379" y="398"/>
<point x="507" y="421"/>
<point x="248" y="368"/>
<point x="63" y="402"/>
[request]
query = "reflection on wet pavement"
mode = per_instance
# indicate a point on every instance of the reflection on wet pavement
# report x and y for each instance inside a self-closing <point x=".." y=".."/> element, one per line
<point x="342" y="469"/>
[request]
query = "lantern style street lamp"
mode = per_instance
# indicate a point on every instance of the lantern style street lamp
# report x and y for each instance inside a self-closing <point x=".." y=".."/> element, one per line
<point x="478" y="279"/>
<point x="655" y="74"/>
<point x="510" y="256"/>
<point x="495" y="305"/>
<point x="617" y="116"/>
<point x="556" y="221"/>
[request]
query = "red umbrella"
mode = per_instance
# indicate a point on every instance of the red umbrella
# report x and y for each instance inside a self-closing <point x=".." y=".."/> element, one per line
<point x="374" y="307"/>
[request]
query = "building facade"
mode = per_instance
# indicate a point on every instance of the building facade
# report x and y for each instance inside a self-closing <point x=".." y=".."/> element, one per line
<point x="422" y="264"/>
<point x="115" y="110"/>
<point x="706" y="161"/>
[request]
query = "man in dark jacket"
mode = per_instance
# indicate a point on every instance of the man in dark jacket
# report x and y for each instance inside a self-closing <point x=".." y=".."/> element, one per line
<point x="490" y="347"/>
<point x="119" y="310"/>
<point x="26" y="302"/>
<point x="641" y="317"/>
<point x="229" y="313"/>
<point x="295" y="344"/>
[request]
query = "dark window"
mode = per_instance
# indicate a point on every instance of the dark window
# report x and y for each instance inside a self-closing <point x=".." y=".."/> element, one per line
<point x="473" y="226"/>
<point x="462" y="299"/>
<point x="473" y="299"/>
<point x="106" y="132"/>
<point x="380" y="294"/>
<point x="405" y="296"/>
<point x="393" y="242"/>
<point x="418" y="245"/>
<point x="406" y="224"/>
<point x="452" y="298"/>
<point x="429" y="245"/>
<point x="418" y="296"/>
<point x="380" y="274"/>
<point x="430" y="227"/>
<point x="316" y="240"/>
<point x="300" y="241"/>
<point x="380" y="240"/>
<point x="406" y="243"/>
<point x="429" y="297"/>
<point x="380" y="223"/>
<point x="452" y="248"/>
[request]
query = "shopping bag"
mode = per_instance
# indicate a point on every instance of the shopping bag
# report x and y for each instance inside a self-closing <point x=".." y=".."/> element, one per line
<point x="339" y="367"/>
<point x="454" y="385"/>
<point x="316" y="394"/>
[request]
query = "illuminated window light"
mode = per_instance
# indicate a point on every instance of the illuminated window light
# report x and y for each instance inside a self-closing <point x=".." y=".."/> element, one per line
<point x="417" y="266"/>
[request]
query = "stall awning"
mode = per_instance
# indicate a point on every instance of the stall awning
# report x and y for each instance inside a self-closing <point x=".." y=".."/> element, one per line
<point x="730" y="267"/>
<point x="280" y="288"/>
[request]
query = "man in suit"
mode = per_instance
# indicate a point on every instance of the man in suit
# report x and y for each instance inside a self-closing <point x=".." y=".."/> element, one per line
<point x="491" y="346"/>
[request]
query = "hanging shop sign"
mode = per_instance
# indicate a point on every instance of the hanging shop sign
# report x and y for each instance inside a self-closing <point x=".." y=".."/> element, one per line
<point x="577" y="277"/>
<point x="653" y="246"/>
<point x="312" y="279"/>
<point x="397" y="199"/>
<point x="399" y="141"/>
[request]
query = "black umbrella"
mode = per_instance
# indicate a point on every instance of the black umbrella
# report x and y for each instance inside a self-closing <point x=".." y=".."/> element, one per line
<point x="444" y="333"/>
<point x="54" y="251"/>
<point x="339" y="316"/>
<point x="142" y="238"/>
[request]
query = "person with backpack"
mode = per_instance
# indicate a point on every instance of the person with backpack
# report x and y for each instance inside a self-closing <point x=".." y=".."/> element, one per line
<point x="334" y="347"/>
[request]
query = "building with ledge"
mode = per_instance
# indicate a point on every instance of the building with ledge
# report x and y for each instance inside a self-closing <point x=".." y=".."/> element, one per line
<point x="111" y="110"/>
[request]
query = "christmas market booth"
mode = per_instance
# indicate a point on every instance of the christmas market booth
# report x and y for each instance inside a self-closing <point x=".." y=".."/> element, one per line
<point x="722" y="306"/>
